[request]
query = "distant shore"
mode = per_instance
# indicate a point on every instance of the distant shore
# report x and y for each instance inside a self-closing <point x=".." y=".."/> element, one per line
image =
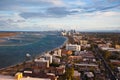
<point x="7" y="34"/>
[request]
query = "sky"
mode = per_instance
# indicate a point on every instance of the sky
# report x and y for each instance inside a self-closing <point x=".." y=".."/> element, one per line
<point x="47" y="15"/>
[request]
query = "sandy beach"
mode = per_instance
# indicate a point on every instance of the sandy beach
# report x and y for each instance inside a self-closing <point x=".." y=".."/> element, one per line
<point x="7" y="34"/>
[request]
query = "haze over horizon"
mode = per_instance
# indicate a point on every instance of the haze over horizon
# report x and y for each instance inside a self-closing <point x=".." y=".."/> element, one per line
<point x="42" y="15"/>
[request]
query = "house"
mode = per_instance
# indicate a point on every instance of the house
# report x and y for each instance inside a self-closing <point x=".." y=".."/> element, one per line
<point x="117" y="46"/>
<point x="56" y="60"/>
<point x="75" y="58"/>
<point x="115" y="62"/>
<point x="77" y="75"/>
<point x="56" y="70"/>
<point x="89" y="75"/>
<point x="66" y="52"/>
<point x="118" y="74"/>
<point x="86" y="66"/>
<point x="60" y="70"/>
<point x="31" y="78"/>
<point x="27" y="72"/>
<point x="83" y="42"/>
<point x="5" y="77"/>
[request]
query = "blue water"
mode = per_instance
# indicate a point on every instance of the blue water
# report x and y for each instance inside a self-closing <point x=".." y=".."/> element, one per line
<point x="14" y="49"/>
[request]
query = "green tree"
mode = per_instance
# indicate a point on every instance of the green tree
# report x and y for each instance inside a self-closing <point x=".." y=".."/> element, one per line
<point x="106" y="55"/>
<point x="69" y="73"/>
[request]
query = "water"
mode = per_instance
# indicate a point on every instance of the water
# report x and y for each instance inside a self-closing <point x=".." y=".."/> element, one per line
<point x="15" y="48"/>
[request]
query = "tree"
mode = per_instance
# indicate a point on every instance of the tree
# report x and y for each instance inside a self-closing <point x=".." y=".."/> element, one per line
<point x="69" y="73"/>
<point x="106" y="55"/>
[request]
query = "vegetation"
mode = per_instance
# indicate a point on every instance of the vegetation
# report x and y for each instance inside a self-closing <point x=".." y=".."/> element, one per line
<point x="68" y="74"/>
<point x="106" y="55"/>
<point x="115" y="56"/>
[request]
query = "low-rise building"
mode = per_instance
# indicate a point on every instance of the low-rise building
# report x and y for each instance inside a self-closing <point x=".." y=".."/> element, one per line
<point x="5" y="77"/>
<point x="75" y="58"/>
<point x="63" y="33"/>
<point x="118" y="73"/>
<point x="117" y="46"/>
<point x="56" y="70"/>
<point x="76" y="75"/>
<point x="86" y="66"/>
<point x="56" y="60"/>
<point x="66" y="52"/>
<point x="115" y="62"/>
<point x="83" y="42"/>
<point x="57" y="52"/>
<point x="73" y="47"/>
<point x="89" y="75"/>
<point x="42" y="63"/>
<point x="47" y="57"/>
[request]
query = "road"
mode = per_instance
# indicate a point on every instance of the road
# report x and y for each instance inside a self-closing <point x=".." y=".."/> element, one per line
<point x="110" y="73"/>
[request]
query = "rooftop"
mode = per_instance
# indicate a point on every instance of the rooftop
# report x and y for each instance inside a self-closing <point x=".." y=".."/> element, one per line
<point x="87" y="65"/>
<point x="3" y="77"/>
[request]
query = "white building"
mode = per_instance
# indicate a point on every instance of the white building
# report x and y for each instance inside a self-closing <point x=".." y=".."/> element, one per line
<point x="89" y="74"/>
<point x="57" y="52"/>
<point x="56" y="60"/>
<point x="73" y="47"/>
<point x="48" y="57"/>
<point x="63" y="33"/>
<point x="42" y="63"/>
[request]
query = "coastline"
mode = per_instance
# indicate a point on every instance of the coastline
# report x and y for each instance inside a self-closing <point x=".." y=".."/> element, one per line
<point x="8" y="34"/>
<point x="45" y="52"/>
<point x="5" y="70"/>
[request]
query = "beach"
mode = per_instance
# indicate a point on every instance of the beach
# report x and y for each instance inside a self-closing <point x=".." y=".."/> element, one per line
<point x="7" y="34"/>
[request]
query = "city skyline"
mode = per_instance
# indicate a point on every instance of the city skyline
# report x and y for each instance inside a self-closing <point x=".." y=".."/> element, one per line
<point x="42" y="15"/>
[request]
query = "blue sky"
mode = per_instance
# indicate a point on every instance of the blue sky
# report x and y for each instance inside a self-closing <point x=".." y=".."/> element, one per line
<point x="42" y="15"/>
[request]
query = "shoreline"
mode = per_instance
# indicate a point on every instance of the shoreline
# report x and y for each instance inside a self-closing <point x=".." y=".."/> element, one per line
<point x="37" y="56"/>
<point x="45" y="52"/>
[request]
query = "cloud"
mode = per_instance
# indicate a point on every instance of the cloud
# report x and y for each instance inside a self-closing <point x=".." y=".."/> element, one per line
<point x="76" y="3"/>
<point x="103" y="14"/>
<point x="59" y="11"/>
<point x="11" y="21"/>
<point x="56" y="8"/>
<point x="23" y="14"/>
<point x="3" y="23"/>
<point x="32" y="15"/>
<point x="99" y="5"/>
<point x="55" y="2"/>
<point x="53" y="12"/>
<point x="23" y="5"/>
<point x="8" y="25"/>
<point x="14" y="21"/>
